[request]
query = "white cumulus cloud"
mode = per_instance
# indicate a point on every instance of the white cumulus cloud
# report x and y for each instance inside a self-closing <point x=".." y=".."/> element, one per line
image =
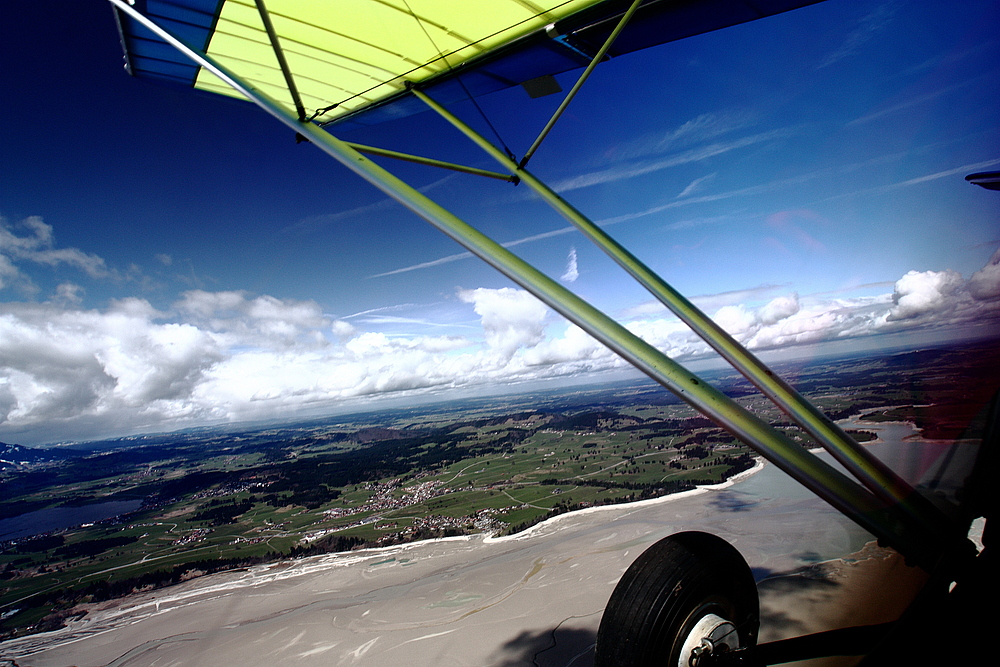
<point x="70" y="365"/>
<point x="255" y="321"/>
<point x="921" y="293"/>
<point x="572" y="271"/>
<point x="984" y="285"/>
<point x="70" y="373"/>
<point x="511" y="318"/>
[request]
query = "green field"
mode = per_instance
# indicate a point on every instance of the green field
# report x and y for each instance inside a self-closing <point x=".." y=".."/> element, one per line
<point x="250" y="503"/>
<point x="216" y="499"/>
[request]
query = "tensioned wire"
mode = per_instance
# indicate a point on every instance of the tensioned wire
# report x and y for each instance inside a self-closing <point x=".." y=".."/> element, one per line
<point x="482" y="113"/>
<point x="363" y="94"/>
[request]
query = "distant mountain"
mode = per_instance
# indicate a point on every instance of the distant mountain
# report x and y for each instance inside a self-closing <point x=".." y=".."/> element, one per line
<point x="16" y="455"/>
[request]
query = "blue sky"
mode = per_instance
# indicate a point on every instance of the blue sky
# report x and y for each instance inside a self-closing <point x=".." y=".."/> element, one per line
<point x="170" y="259"/>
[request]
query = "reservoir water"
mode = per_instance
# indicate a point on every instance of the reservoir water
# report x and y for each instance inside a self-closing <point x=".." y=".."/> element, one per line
<point x="59" y="518"/>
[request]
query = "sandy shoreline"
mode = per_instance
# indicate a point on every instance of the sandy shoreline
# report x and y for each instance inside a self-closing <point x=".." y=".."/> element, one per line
<point x="536" y="596"/>
<point x="759" y="464"/>
<point x="532" y="598"/>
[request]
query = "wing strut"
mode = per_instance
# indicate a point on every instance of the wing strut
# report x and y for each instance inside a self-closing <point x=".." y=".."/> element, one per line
<point x="431" y="162"/>
<point x="917" y="537"/>
<point x="579" y="82"/>
<point x="279" y="53"/>
<point x="872" y="472"/>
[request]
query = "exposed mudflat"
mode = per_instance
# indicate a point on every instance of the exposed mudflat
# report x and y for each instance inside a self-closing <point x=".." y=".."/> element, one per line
<point x="534" y="597"/>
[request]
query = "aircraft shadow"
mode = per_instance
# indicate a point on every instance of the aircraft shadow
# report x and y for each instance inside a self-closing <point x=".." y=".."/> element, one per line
<point x="783" y="597"/>
<point x="729" y="501"/>
<point x="555" y="647"/>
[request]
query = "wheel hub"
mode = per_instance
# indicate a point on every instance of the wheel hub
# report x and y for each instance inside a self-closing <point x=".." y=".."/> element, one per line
<point x="711" y="634"/>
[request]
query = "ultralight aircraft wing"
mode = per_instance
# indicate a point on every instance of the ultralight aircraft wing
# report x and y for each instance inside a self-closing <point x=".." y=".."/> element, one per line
<point x="350" y="60"/>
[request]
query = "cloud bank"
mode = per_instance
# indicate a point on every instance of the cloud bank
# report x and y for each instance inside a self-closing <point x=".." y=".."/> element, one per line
<point x="31" y="241"/>
<point x="71" y="373"/>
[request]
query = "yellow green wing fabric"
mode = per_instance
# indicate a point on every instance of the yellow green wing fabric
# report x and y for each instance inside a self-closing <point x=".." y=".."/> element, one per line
<point x="351" y="53"/>
<point x="350" y="60"/>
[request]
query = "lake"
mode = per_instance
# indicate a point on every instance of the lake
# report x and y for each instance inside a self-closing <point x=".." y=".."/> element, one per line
<point x="59" y="518"/>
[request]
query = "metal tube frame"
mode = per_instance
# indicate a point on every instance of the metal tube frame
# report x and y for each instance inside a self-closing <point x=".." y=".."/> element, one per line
<point x="431" y="162"/>
<point x="279" y="53"/>
<point x="579" y="82"/>
<point x="868" y="469"/>
<point x="828" y="483"/>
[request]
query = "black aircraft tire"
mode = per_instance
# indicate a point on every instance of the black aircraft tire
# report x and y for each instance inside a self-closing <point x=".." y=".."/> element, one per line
<point x="675" y="583"/>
